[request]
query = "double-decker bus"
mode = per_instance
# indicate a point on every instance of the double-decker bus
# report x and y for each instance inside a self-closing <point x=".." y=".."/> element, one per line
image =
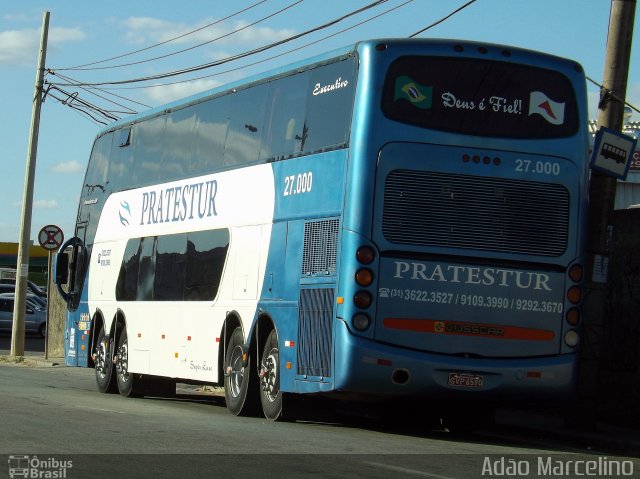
<point x="399" y="219"/>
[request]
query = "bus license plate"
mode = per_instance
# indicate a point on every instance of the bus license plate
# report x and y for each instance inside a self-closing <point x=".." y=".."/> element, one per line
<point x="466" y="380"/>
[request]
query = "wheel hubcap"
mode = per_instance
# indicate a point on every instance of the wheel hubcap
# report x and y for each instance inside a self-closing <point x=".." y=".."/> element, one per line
<point x="122" y="365"/>
<point x="236" y="372"/>
<point x="101" y="359"/>
<point x="269" y="375"/>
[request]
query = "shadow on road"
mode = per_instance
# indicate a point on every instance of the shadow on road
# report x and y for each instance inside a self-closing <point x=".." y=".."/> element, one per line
<point x="33" y="344"/>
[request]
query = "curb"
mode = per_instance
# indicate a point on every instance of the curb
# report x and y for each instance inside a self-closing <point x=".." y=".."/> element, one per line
<point x="31" y="361"/>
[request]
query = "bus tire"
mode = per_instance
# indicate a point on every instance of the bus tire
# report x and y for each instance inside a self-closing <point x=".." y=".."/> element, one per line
<point x="105" y="379"/>
<point x="270" y="394"/>
<point x="125" y="380"/>
<point x="240" y="384"/>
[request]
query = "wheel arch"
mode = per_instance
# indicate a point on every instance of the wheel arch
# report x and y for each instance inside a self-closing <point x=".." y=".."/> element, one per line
<point x="231" y="322"/>
<point x="97" y="322"/>
<point x="260" y="332"/>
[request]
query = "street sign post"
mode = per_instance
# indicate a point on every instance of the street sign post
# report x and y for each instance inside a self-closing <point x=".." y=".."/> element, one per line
<point x="50" y="238"/>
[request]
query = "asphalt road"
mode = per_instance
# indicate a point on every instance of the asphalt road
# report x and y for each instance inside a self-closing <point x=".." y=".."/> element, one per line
<point x="57" y="415"/>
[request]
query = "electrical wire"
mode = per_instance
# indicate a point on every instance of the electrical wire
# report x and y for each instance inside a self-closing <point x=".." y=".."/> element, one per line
<point x="72" y="82"/>
<point x="613" y="95"/>
<point x="122" y="65"/>
<point x="237" y="56"/>
<point x="442" y="19"/>
<point x="264" y="60"/>
<point x="166" y="41"/>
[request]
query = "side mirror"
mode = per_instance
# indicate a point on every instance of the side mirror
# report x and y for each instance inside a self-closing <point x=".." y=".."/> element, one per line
<point x="62" y="268"/>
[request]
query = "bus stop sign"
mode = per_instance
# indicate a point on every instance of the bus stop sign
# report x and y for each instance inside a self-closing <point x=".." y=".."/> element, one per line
<point x="612" y="153"/>
<point x="50" y="237"/>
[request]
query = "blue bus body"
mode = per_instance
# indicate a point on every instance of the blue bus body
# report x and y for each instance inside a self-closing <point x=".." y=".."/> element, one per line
<point x="436" y="253"/>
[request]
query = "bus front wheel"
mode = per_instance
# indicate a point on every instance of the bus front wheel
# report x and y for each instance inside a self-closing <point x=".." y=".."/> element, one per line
<point x="240" y="385"/>
<point x="270" y="394"/>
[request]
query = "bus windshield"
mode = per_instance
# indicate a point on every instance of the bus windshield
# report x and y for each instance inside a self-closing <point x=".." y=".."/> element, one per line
<point x="480" y="97"/>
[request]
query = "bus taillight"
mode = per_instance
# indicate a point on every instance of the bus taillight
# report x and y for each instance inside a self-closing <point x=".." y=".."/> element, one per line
<point x="362" y="299"/>
<point x="361" y="321"/>
<point x="573" y="316"/>
<point x="365" y="255"/>
<point x="364" y="277"/>
<point x="574" y="294"/>
<point x="575" y="273"/>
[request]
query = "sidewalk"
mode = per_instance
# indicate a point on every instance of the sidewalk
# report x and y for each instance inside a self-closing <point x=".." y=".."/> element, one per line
<point x="30" y="359"/>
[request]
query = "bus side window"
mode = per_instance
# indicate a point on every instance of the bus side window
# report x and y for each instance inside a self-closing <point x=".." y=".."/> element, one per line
<point x="170" y="267"/>
<point x="127" y="285"/>
<point x="121" y="164"/>
<point x="246" y="126"/>
<point x="284" y="124"/>
<point x="330" y="105"/>
<point x="147" y="271"/>
<point x="149" y="143"/>
<point x="210" y="135"/>
<point x="96" y="178"/>
<point x="206" y="256"/>
<point x="178" y="143"/>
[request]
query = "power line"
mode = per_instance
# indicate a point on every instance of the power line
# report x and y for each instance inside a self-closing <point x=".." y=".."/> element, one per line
<point x="291" y="5"/>
<point x="442" y="19"/>
<point x="78" y="84"/>
<point x="238" y="56"/>
<point x="166" y="41"/>
<point x="612" y="95"/>
<point x="264" y="60"/>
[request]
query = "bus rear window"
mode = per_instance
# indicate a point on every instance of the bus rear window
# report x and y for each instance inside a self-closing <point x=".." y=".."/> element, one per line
<point x="480" y="97"/>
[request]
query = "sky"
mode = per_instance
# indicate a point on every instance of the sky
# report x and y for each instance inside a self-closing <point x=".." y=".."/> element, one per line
<point x="82" y="33"/>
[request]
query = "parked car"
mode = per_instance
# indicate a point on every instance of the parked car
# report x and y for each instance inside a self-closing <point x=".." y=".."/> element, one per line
<point x="35" y="319"/>
<point x="5" y="283"/>
<point x="36" y="302"/>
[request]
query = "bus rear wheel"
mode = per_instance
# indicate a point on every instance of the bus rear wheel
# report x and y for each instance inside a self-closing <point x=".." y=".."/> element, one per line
<point x="126" y="381"/>
<point x="239" y="384"/>
<point x="270" y="394"/>
<point x="105" y="379"/>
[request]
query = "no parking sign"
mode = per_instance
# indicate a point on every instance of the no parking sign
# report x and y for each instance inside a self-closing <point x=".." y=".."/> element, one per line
<point x="50" y="237"/>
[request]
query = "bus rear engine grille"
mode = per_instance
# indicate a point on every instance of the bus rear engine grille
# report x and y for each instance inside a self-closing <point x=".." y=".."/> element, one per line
<point x="462" y="211"/>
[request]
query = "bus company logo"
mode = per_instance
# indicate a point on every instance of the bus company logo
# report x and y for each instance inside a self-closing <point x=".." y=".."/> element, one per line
<point x="438" y="327"/>
<point x="125" y="213"/>
<point x="26" y="466"/>
<point x="420" y="96"/>
<point x="541" y="104"/>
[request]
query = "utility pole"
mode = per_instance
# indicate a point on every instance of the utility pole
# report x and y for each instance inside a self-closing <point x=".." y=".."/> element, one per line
<point x="22" y="266"/>
<point x="602" y="191"/>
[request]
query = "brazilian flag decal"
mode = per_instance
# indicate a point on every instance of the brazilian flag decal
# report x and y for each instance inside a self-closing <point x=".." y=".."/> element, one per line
<point x="419" y="95"/>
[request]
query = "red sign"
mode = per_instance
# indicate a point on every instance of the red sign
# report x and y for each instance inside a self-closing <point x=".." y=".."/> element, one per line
<point x="50" y="237"/>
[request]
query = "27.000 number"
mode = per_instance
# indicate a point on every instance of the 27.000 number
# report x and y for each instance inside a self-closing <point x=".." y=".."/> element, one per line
<point x="298" y="184"/>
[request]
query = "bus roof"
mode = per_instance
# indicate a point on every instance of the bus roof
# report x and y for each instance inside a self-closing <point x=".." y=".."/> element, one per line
<point x="438" y="44"/>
